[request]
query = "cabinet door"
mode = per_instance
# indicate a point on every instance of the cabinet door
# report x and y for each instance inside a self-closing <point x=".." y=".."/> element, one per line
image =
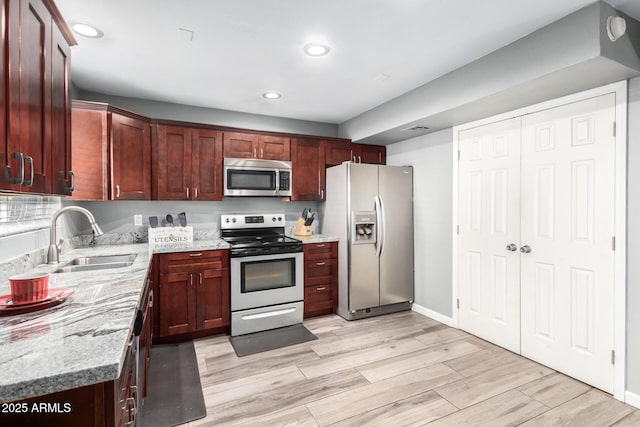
<point x="130" y="158"/>
<point x="89" y="142"/>
<point x="213" y="298"/>
<point x="338" y="152"/>
<point x="206" y="158"/>
<point x="173" y="163"/>
<point x="29" y="92"/>
<point x="240" y="145"/>
<point x="63" y="179"/>
<point x="373" y="154"/>
<point x="6" y="171"/>
<point x="274" y="148"/>
<point x="177" y="303"/>
<point x="308" y="174"/>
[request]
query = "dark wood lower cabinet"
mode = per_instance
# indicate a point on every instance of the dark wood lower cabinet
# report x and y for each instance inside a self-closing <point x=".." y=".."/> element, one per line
<point x="320" y="278"/>
<point x="193" y="292"/>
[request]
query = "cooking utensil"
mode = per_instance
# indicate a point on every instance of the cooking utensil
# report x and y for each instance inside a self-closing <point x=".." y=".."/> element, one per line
<point x="169" y="219"/>
<point x="153" y="221"/>
<point x="310" y="219"/>
<point x="182" y="219"/>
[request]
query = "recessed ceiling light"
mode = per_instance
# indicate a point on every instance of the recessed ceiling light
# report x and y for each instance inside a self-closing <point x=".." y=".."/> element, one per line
<point x="271" y="95"/>
<point x="86" y="30"/>
<point x="314" y="49"/>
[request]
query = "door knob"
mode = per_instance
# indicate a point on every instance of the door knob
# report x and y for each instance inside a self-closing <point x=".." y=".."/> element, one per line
<point x="525" y="249"/>
<point x="512" y="247"/>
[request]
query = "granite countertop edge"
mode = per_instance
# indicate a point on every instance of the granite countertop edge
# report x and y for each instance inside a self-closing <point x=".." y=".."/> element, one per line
<point x="82" y="341"/>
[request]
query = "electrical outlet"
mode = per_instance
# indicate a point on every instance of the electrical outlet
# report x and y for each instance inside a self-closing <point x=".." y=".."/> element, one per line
<point x="137" y="220"/>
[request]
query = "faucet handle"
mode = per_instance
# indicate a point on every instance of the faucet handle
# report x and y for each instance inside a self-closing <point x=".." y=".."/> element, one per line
<point x="59" y="245"/>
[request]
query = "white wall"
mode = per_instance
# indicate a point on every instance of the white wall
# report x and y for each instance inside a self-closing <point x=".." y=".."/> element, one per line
<point x="431" y="158"/>
<point x="633" y="239"/>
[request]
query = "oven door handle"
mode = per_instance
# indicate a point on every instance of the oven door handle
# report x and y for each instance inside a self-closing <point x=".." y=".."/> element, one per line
<point x="268" y="314"/>
<point x="277" y="181"/>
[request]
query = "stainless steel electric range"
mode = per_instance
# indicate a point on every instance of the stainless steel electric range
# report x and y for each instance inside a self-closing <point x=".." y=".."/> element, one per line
<point x="267" y="288"/>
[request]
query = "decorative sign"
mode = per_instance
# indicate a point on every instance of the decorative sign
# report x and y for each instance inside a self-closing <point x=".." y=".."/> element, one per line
<point x="171" y="237"/>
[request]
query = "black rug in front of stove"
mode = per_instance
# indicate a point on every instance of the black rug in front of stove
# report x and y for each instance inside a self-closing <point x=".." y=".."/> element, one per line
<point x="174" y="392"/>
<point x="258" y="342"/>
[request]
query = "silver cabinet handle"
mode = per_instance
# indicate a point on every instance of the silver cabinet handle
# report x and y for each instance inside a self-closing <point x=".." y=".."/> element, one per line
<point x="320" y="288"/>
<point x="512" y="247"/>
<point x="196" y="254"/>
<point x="195" y="192"/>
<point x="359" y="159"/>
<point x="321" y="263"/>
<point x="321" y="245"/>
<point x="29" y="160"/>
<point x="191" y="280"/>
<point x="71" y="187"/>
<point x="254" y="153"/>
<point x="525" y="249"/>
<point x="19" y="179"/>
<point x="261" y="153"/>
<point x="187" y="193"/>
<point x="354" y="159"/>
<point x="151" y="298"/>
<point x="321" y="194"/>
<point x="117" y="191"/>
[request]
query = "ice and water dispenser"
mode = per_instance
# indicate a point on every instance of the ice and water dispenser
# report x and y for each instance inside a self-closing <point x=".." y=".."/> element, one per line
<point x="364" y="227"/>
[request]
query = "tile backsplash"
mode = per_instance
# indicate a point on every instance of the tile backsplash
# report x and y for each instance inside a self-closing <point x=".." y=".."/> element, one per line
<point x="25" y="209"/>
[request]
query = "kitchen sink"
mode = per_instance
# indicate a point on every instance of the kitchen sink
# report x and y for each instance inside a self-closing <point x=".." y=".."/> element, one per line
<point x="98" y="262"/>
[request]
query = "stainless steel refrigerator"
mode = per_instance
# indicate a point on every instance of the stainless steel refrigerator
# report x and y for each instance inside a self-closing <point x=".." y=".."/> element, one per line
<point x="370" y="208"/>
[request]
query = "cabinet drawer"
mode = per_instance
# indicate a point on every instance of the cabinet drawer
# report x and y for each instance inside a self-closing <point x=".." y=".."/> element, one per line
<point x="188" y="261"/>
<point x="320" y="271"/>
<point x="320" y="250"/>
<point x="320" y="298"/>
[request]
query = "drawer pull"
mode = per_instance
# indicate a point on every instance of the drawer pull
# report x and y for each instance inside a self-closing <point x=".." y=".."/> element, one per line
<point x="321" y="245"/>
<point x="196" y="254"/>
<point x="321" y="288"/>
<point x="320" y="263"/>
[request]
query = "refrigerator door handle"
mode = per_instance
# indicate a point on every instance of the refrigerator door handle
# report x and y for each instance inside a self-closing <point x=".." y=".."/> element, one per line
<point x="379" y="225"/>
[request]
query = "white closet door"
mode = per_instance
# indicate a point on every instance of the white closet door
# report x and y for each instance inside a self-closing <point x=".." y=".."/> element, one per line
<point x="568" y="222"/>
<point x="489" y="221"/>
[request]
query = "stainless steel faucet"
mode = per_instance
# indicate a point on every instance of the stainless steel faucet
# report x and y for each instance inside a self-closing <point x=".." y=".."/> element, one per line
<point x="54" y="249"/>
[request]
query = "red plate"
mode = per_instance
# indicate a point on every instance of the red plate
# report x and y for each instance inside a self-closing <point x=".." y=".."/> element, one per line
<point x="56" y="296"/>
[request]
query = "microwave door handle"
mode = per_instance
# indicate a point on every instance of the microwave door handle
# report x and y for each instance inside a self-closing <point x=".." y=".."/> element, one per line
<point x="277" y="181"/>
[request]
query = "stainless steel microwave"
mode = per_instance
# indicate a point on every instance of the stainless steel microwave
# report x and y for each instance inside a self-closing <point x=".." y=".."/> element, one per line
<point x="255" y="177"/>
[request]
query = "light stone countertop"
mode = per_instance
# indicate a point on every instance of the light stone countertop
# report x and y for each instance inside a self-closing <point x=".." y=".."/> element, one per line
<point x="82" y="341"/>
<point x="315" y="238"/>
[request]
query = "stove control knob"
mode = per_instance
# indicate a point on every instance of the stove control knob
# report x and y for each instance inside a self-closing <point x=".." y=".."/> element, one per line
<point x="226" y="220"/>
<point x="279" y="218"/>
<point x="273" y="219"/>
<point x="234" y="220"/>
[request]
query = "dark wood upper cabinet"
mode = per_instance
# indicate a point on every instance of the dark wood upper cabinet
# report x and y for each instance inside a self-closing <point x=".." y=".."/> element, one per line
<point x="111" y="153"/>
<point x="308" y="172"/>
<point x="255" y="146"/>
<point x="188" y="163"/>
<point x="338" y="152"/>
<point x="35" y="76"/>
<point x="63" y="175"/>
<point x="374" y="154"/>
<point x="131" y="158"/>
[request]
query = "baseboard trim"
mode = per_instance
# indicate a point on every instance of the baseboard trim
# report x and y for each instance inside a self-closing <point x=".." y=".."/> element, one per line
<point x="632" y="399"/>
<point x="432" y="314"/>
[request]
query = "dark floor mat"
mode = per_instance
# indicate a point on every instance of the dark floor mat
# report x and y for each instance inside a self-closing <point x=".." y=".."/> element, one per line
<point x="174" y="392"/>
<point x="258" y="342"/>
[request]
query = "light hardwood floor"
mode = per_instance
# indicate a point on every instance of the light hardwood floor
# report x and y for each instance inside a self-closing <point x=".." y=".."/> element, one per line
<point x="397" y="370"/>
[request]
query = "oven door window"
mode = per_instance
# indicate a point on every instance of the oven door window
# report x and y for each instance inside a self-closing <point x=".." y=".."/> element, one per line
<point x="238" y="179"/>
<point x="268" y="274"/>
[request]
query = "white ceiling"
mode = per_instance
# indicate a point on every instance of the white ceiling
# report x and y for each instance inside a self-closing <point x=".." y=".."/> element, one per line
<point x="243" y="48"/>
